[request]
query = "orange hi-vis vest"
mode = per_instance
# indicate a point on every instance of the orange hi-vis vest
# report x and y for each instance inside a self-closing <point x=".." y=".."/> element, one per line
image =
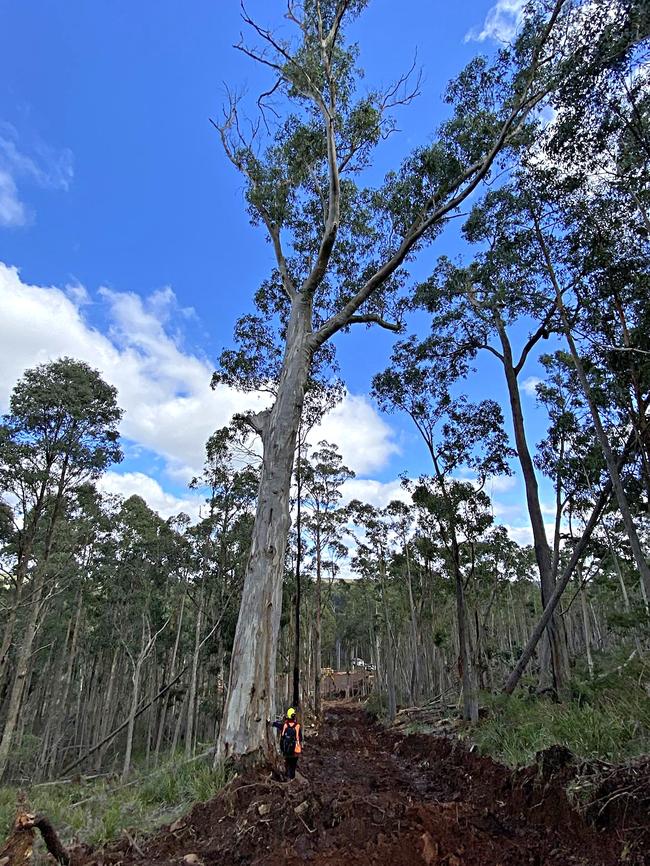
<point x="298" y="748"/>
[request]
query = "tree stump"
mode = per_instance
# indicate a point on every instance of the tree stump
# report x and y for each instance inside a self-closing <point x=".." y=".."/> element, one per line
<point x="17" y="850"/>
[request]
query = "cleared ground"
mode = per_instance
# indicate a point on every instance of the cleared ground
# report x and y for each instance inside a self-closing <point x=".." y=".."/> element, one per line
<point x="370" y="796"/>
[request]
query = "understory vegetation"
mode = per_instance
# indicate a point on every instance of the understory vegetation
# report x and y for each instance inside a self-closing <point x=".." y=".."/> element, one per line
<point x="607" y="719"/>
<point x="102" y="809"/>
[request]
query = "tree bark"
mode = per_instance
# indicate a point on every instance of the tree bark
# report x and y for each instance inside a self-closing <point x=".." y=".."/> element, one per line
<point x="467" y="672"/>
<point x="318" y="652"/>
<point x="298" y="599"/>
<point x="415" y="674"/>
<point x="555" y="629"/>
<point x="250" y="704"/>
<point x="603" y="441"/>
<point x="561" y="585"/>
<point x="191" y="709"/>
<point x="18" y="849"/>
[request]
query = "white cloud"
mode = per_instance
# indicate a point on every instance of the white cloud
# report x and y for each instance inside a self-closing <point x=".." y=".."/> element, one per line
<point x="501" y="483"/>
<point x="138" y="484"/>
<point x="169" y="406"/>
<point x="524" y="534"/>
<point x="377" y="493"/>
<point x="501" y="22"/>
<point x="44" y="166"/>
<point x="530" y="384"/>
<point x="365" y="440"/>
<point x="12" y="210"/>
<point x="521" y="534"/>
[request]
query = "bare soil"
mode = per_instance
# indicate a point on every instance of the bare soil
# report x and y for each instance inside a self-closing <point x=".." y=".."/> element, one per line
<point x="371" y="796"/>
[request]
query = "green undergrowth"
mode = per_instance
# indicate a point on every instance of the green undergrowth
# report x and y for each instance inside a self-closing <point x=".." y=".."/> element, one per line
<point x="606" y="718"/>
<point x="98" y="811"/>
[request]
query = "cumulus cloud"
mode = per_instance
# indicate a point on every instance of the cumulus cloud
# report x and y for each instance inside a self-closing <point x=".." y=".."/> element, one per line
<point x="523" y="534"/>
<point x="165" y="392"/>
<point x="501" y="22"/>
<point x="139" y="484"/>
<point x="530" y="384"/>
<point x="170" y="409"/>
<point x="42" y="165"/>
<point x="365" y="440"/>
<point x="377" y="493"/>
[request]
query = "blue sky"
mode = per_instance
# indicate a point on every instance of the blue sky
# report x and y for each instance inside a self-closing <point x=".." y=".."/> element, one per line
<point x="123" y="236"/>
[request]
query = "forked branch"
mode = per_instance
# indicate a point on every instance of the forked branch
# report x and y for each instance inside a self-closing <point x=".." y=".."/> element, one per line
<point x="435" y="210"/>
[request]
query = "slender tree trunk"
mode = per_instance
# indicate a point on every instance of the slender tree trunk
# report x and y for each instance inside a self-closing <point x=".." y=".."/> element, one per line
<point x="561" y="585"/>
<point x="22" y="670"/>
<point x="586" y="626"/>
<point x="467" y="672"/>
<point x="389" y="653"/>
<point x="62" y="697"/>
<point x="191" y="707"/>
<point x="25" y="652"/>
<point x="250" y="703"/>
<point x="318" y="661"/>
<point x="554" y="630"/>
<point x="415" y="674"/>
<point x="21" y="572"/>
<point x="147" y="643"/>
<point x="298" y="599"/>
<point x="603" y="441"/>
<point x="610" y="459"/>
<point x="135" y="695"/>
<point x="107" y="715"/>
<point x="172" y="670"/>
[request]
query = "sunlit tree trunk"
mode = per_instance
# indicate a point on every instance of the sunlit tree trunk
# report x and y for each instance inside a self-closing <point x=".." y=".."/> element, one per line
<point x="318" y="661"/>
<point x="250" y="704"/>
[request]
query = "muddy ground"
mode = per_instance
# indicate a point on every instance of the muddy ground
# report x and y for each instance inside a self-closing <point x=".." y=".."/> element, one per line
<point x="371" y="796"/>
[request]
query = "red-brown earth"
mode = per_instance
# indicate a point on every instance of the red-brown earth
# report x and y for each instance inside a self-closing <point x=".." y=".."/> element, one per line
<point x="371" y="796"/>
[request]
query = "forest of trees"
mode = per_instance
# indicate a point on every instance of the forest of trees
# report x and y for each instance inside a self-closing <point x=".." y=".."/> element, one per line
<point x="127" y="638"/>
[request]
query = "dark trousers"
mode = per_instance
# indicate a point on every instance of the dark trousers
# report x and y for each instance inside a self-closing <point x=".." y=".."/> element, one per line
<point x="291" y="762"/>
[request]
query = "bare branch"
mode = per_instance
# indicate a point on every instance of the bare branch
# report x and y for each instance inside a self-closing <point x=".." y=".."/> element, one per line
<point x="395" y="95"/>
<point x="231" y="126"/>
<point x="264" y="106"/>
<point x="312" y="93"/>
<point x="258" y="58"/>
<point x="371" y="319"/>
<point x="535" y="338"/>
<point x="433" y="212"/>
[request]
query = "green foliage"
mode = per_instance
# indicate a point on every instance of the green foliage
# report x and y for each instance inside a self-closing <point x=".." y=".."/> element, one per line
<point x="608" y="718"/>
<point x="377" y="705"/>
<point x="99" y="810"/>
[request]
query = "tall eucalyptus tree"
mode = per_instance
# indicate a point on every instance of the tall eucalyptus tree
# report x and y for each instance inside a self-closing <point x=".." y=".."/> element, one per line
<point x="340" y="251"/>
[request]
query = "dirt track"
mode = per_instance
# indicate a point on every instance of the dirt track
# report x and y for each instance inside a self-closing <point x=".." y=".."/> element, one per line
<point x="372" y="797"/>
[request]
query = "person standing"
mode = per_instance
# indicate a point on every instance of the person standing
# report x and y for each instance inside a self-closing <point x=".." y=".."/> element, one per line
<point x="291" y="744"/>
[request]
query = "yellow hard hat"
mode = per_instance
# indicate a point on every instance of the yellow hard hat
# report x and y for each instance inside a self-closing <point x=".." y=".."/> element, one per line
<point x="291" y="713"/>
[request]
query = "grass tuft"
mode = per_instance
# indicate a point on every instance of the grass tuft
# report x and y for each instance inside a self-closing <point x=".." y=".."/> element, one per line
<point x="608" y="718"/>
<point x="98" y="811"/>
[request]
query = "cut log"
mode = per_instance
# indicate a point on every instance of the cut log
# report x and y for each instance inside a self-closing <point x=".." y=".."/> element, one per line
<point x="18" y="849"/>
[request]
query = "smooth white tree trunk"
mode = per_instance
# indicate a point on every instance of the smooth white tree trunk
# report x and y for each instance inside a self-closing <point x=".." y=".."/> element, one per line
<point x="250" y="703"/>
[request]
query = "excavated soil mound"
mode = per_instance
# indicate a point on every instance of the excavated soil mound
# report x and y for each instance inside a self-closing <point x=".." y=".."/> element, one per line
<point x="369" y="796"/>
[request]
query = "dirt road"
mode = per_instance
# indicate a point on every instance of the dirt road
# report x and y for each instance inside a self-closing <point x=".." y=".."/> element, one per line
<point x="373" y="797"/>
